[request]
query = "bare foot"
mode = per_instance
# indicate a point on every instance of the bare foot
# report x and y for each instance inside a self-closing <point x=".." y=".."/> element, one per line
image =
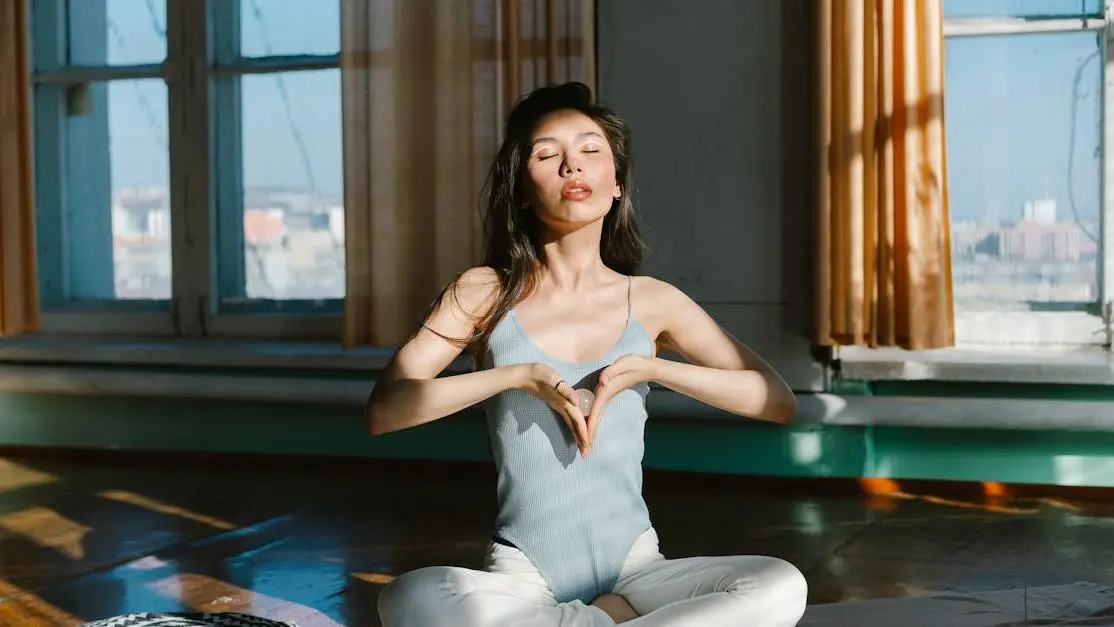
<point x="616" y="607"/>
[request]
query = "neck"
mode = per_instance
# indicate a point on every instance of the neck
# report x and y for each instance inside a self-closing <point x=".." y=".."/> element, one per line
<point x="572" y="259"/>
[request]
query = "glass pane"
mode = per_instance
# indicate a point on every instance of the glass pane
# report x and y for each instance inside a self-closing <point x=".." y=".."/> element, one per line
<point x="117" y="202"/>
<point x="1024" y="147"/>
<point x="1022" y="8"/>
<point x="287" y="27"/>
<point x="293" y="213"/>
<point x="117" y="32"/>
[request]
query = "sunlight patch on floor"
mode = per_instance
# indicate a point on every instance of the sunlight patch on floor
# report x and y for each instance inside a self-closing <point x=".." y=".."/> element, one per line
<point x="376" y="578"/>
<point x="138" y="500"/>
<point x="48" y="529"/>
<point x="15" y="476"/>
<point x="20" y="607"/>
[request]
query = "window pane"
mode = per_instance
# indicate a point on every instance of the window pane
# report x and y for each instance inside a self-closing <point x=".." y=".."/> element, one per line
<point x="1024" y="146"/>
<point x="292" y="214"/>
<point x="117" y="32"/>
<point x="116" y="207"/>
<point x="1022" y="8"/>
<point x="288" y="27"/>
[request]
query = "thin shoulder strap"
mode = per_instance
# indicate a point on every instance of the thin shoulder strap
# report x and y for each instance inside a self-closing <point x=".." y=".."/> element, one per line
<point x="630" y="281"/>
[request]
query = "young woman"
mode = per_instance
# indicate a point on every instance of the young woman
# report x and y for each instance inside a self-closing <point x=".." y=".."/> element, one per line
<point x="565" y="338"/>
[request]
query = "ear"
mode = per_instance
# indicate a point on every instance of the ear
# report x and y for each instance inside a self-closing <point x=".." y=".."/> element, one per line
<point x="618" y="191"/>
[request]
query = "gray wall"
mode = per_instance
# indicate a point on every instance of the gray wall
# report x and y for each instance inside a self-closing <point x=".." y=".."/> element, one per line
<point x="722" y="158"/>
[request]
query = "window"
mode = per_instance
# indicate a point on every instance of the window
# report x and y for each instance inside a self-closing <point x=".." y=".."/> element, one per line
<point x="1026" y="115"/>
<point x="188" y="167"/>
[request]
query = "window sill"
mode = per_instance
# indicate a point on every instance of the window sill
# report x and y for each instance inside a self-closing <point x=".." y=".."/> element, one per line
<point x="1092" y="365"/>
<point x="308" y="373"/>
<point x="225" y="354"/>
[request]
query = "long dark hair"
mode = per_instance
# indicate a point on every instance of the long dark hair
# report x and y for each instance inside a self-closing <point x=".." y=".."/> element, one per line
<point x="513" y="246"/>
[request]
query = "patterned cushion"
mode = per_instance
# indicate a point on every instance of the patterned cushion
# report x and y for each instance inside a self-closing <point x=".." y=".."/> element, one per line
<point x="199" y="619"/>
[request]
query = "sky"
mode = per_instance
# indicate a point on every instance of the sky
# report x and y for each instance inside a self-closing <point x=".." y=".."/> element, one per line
<point x="1022" y="112"/>
<point x="271" y="151"/>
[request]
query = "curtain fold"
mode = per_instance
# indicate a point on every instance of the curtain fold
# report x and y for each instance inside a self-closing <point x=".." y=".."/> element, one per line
<point x="19" y="297"/>
<point x="883" y="266"/>
<point x="426" y="87"/>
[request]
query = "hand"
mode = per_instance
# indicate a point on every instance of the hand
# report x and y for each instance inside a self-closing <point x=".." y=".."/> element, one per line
<point x="545" y="383"/>
<point x="616" y="607"/>
<point x="624" y="373"/>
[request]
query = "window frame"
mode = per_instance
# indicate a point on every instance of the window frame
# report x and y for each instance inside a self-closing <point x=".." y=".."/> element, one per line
<point x="1090" y="363"/>
<point x="218" y="92"/>
<point x="201" y="71"/>
<point x="1073" y="321"/>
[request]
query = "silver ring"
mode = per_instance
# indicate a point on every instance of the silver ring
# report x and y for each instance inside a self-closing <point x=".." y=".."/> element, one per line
<point x="557" y="386"/>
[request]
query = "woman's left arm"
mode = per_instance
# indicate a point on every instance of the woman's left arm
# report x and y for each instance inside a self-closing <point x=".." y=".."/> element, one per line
<point x="720" y="371"/>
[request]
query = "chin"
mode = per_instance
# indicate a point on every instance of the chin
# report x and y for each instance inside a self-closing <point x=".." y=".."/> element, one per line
<point x="574" y="222"/>
<point x="578" y="215"/>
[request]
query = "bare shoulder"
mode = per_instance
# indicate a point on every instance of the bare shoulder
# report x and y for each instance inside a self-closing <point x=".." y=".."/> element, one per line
<point x="658" y="296"/>
<point x="474" y="292"/>
<point x="658" y="304"/>
<point x="448" y="328"/>
<point x="680" y="324"/>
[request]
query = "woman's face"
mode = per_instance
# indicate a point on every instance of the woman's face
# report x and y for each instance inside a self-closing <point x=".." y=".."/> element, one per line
<point x="571" y="171"/>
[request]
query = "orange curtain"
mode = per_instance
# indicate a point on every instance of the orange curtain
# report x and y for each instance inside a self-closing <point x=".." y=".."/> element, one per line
<point x="18" y="284"/>
<point x="426" y="87"/>
<point x="884" y="251"/>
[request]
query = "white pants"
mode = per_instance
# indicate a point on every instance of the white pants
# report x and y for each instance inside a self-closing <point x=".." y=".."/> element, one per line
<point x="743" y="591"/>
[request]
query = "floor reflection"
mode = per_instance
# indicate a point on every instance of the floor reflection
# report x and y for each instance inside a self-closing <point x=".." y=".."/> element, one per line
<point x="82" y="540"/>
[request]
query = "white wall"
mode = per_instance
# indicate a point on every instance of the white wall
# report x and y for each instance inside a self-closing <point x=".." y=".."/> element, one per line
<point x="721" y="173"/>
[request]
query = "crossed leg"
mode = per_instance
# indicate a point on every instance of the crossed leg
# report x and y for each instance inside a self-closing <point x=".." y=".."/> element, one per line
<point x="510" y="593"/>
<point x="752" y="590"/>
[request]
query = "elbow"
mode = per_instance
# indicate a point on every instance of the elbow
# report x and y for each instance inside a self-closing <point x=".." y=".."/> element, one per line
<point x="376" y="425"/>
<point x="375" y="417"/>
<point x="781" y="406"/>
<point x="371" y="417"/>
<point x="786" y="408"/>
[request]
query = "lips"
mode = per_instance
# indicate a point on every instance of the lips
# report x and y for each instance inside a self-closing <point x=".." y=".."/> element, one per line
<point x="575" y="190"/>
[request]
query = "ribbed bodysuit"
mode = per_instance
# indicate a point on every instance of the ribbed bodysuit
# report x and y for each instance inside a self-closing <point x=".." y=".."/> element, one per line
<point x="574" y="518"/>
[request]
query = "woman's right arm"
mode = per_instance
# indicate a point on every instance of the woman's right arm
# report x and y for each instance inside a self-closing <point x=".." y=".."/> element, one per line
<point x="410" y="391"/>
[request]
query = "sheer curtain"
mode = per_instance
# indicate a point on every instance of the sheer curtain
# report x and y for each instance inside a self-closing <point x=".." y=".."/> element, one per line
<point x="426" y="86"/>
<point x="18" y="282"/>
<point x="884" y="262"/>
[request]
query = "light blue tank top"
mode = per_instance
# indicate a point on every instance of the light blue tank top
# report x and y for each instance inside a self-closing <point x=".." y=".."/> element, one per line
<point x="576" y="519"/>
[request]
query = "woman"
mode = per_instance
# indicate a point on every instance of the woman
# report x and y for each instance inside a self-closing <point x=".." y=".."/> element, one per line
<point x="565" y="340"/>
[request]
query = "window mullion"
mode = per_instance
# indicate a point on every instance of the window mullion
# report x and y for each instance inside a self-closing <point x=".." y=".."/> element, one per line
<point x="189" y="176"/>
<point x="229" y="276"/>
<point x="1106" y="198"/>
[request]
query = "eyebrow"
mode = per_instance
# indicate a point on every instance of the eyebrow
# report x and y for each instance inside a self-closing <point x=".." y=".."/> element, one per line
<point x="579" y="136"/>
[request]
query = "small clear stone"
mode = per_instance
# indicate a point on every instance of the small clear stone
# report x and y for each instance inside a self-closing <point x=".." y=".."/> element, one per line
<point x="586" y="399"/>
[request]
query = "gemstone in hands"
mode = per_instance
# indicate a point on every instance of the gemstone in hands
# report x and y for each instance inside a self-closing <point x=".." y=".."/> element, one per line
<point x="585" y="399"/>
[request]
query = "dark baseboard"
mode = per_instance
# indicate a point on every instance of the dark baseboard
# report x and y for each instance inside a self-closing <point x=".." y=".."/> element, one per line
<point x="970" y="491"/>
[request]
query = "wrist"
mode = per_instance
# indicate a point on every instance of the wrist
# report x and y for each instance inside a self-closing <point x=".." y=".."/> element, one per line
<point x="656" y="369"/>
<point x="519" y="376"/>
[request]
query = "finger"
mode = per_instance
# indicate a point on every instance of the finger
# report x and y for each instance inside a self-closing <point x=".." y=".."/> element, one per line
<point x="607" y="389"/>
<point x="605" y="376"/>
<point x="608" y="378"/>
<point x="577" y="426"/>
<point x="582" y="429"/>
<point x="566" y="392"/>
<point x="595" y="417"/>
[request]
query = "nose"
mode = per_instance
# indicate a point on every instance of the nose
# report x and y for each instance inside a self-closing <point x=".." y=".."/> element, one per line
<point x="570" y="166"/>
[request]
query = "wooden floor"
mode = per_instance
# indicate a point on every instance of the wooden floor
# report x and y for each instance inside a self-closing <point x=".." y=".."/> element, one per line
<point x="86" y="538"/>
